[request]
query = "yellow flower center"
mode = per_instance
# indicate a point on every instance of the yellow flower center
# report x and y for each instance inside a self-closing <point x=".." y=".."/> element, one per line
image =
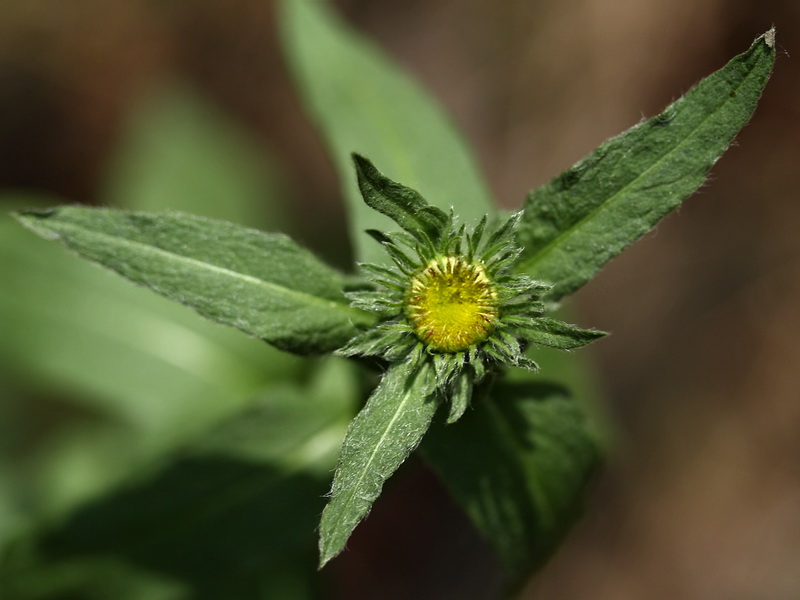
<point x="451" y="304"/>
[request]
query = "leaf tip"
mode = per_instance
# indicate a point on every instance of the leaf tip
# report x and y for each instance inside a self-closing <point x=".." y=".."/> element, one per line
<point x="359" y="159"/>
<point x="323" y="561"/>
<point x="30" y="219"/>
<point x="38" y="213"/>
<point x="366" y="172"/>
<point x="328" y="550"/>
<point x="378" y="236"/>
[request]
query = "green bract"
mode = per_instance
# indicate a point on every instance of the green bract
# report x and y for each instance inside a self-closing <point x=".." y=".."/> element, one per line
<point x="452" y="297"/>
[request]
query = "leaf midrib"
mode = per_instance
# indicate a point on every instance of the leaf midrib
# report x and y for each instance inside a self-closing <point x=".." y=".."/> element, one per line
<point x="152" y="249"/>
<point x="351" y="495"/>
<point x="555" y="242"/>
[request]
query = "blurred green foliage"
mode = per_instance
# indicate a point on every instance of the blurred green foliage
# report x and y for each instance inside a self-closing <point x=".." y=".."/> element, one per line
<point x="144" y="451"/>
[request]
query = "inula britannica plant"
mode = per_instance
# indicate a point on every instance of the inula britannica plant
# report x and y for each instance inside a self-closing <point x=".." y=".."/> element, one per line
<point x="451" y="304"/>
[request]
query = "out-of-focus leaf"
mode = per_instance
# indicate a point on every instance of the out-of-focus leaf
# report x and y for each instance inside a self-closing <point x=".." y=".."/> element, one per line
<point x="94" y="578"/>
<point x="180" y="153"/>
<point x="295" y="429"/>
<point x="233" y="514"/>
<point x="9" y="440"/>
<point x="518" y="463"/>
<point x="363" y="103"/>
<point x="380" y="438"/>
<point x="583" y="218"/>
<point x="261" y="283"/>
<point x="225" y="528"/>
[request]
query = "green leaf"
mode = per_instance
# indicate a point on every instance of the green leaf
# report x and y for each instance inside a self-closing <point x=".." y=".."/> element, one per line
<point x="554" y="333"/>
<point x="584" y="217"/>
<point x="363" y="103"/>
<point x="235" y="508"/>
<point x="104" y="379"/>
<point x="377" y="442"/>
<point x="215" y="523"/>
<point x="147" y="355"/>
<point x="179" y="152"/>
<point x="260" y="283"/>
<point x="94" y="578"/>
<point x="518" y="463"/>
<point x="400" y="203"/>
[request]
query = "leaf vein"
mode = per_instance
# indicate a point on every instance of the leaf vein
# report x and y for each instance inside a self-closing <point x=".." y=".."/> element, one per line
<point x="145" y="248"/>
<point x="557" y="241"/>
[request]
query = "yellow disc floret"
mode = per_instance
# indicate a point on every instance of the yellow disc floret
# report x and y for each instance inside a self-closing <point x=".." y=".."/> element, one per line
<point x="451" y="304"/>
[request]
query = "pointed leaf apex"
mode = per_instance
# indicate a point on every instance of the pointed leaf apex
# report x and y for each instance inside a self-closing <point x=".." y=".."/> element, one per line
<point x="379" y="439"/>
<point x="404" y="206"/>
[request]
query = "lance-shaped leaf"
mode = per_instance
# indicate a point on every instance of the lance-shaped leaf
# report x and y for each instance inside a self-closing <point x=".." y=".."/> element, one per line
<point x="518" y="463"/>
<point x="398" y="202"/>
<point x="377" y="442"/>
<point x="364" y="103"/>
<point x="261" y="283"/>
<point x="584" y="217"/>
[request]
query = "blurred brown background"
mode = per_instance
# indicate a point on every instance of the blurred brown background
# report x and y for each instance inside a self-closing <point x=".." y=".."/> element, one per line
<point x="701" y="498"/>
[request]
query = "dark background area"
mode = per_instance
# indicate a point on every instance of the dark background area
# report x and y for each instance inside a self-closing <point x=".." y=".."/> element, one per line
<point x="701" y="377"/>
